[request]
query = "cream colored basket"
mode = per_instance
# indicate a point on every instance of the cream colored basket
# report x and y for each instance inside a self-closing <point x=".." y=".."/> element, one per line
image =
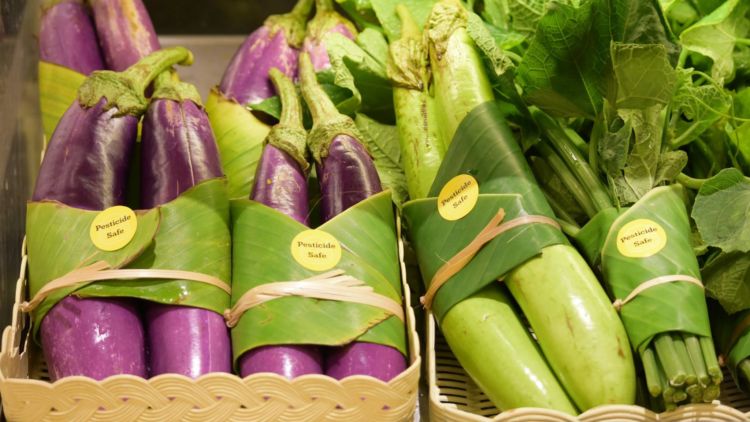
<point x="454" y="397"/>
<point x="27" y="394"/>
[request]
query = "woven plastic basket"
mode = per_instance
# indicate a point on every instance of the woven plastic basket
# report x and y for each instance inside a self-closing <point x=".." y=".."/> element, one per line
<point x="455" y="397"/>
<point x="27" y="394"/>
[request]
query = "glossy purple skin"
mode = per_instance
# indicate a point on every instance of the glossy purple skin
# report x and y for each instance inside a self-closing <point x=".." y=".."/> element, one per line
<point x="86" y="166"/>
<point x="126" y="33"/>
<point x="178" y="149"/>
<point x="317" y="49"/>
<point x="187" y="341"/>
<point x="86" y="162"/>
<point x="281" y="185"/>
<point x="246" y="78"/>
<point x="347" y="177"/>
<point x="96" y="338"/>
<point x="289" y="361"/>
<point x="178" y="152"/>
<point x="67" y="38"/>
<point x="360" y="358"/>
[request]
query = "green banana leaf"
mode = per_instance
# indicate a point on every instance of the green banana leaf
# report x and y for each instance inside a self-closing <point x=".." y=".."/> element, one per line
<point x="723" y="326"/>
<point x="483" y="147"/>
<point x="678" y="306"/>
<point x="592" y="236"/>
<point x="190" y="233"/>
<point x="239" y="136"/>
<point x="261" y="254"/>
<point x="58" y="88"/>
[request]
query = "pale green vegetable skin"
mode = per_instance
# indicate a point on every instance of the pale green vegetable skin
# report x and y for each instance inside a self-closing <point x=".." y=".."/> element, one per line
<point x="497" y="352"/>
<point x="577" y="327"/>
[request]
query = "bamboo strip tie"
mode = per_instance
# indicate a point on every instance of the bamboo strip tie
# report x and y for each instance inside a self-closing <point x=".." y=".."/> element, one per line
<point x="619" y="303"/>
<point x="99" y="271"/>
<point x="333" y="285"/>
<point x="492" y="230"/>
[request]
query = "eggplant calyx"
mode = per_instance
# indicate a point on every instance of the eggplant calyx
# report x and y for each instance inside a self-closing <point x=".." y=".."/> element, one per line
<point x="446" y="18"/>
<point x="322" y="134"/>
<point x="168" y="86"/>
<point x="291" y="140"/>
<point x="326" y="18"/>
<point x="293" y="23"/>
<point x="407" y="64"/>
<point x="125" y="90"/>
<point x="49" y="4"/>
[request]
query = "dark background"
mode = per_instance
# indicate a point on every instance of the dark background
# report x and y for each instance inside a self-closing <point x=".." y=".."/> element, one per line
<point x="220" y="17"/>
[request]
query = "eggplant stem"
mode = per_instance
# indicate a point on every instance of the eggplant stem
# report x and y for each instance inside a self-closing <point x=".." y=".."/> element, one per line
<point x="291" y="109"/>
<point x="321" y="107"/>
<point x="302" y="8"/>
<point x="148" y="68"/>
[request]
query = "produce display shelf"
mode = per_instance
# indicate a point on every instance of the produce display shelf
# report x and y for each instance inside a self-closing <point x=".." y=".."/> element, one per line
<point x="454" y="397"/>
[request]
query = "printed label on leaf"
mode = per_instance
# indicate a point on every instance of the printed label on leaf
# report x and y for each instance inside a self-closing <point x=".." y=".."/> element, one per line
<point x="113" y="228"/>
<point x="458" y="197"/>
<point x="641" y="238"/>
<point x="316" y="250"/>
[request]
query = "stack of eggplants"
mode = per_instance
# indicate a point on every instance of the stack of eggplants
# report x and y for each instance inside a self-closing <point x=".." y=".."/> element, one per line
<point x="280" y="183"/>
<point x="178" y="152"/>
<point x="347" y="175"/>
<point x="86" y="166"/>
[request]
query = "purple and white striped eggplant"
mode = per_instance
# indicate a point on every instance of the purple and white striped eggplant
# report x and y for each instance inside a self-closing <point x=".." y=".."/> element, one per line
<point x="67" y="36"/>
<point x="86" y="166"/>
<point x="125" y="32"/>
<point x="178" y="152"/>
<point x="274" y="45"/>
<point x="347" y="176"/>
<point x="280" y="183"/>
<point x="326" y="21"/>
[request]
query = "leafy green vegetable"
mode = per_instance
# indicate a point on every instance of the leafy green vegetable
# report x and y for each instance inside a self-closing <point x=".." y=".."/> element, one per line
<point x="727" y="279"/>
<point x="695" y="108"/>
<point x="382" y="142"/>
<point x="715" y="36"/>
<point x="721" y="209"/>
<point x="386" y="13"/>
<point x="643" y="76"/>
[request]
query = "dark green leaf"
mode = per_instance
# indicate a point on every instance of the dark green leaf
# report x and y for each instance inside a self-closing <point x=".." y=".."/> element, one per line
<point x="642" y="74"/>
<point x="383" y="143"/>
<point x="695" y="108"/>
<point x="727" y="279"/>
<point x="721" y="211"/>
<point x="715" y="36"/>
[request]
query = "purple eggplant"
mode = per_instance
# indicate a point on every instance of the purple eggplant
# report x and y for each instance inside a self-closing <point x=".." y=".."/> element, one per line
<point x="347" y="176"/>
<point x="125" y="31"/>
<point x="86" y="166"/>
<point x="178" y="152"/>
<point x="67" y="36"/>
<point x="326" y="21"/>
<point x="280" y="183"/>
<point x="274" y="45"/>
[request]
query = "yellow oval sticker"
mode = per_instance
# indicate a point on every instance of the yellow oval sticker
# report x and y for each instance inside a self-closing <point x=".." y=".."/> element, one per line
<point x="641" y="238"/>
<point x="316" y="250"/>
<point x="458" y="197"/>
<point x="113" y="228"/>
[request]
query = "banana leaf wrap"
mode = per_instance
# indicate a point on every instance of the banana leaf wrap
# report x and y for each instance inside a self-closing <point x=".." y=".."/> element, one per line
<point x="239" y="136"/>
<point x="261" y="254"/>
<point x="190" y="233"/>
<point x="58" y="88"/>
<point x="669" y="307"/>
<point x="735" y="347"/>
<point x="483" y="147"/>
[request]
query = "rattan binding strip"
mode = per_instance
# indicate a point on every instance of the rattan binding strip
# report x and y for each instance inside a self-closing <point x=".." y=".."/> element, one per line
<point x="213" y="397"/>
<point x="454" y="397"/>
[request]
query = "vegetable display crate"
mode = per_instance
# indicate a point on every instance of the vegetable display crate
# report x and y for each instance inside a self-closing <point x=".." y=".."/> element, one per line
<point x="454" y="397"/>
<point x="28" y="395"/>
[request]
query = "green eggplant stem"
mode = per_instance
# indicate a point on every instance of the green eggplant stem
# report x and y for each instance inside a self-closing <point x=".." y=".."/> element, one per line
<point x="409" y="28"/>
<point x="148" y="68"/>
<point x="302" y="8"/>
<point x="291" y="109"/>
<point x="323" y="5"/>
<point x="321" y="107"/>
